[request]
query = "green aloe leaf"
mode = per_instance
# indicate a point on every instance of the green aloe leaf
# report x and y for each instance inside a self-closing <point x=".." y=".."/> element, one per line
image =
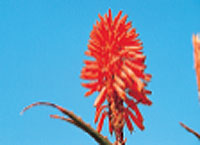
<point x="75" y="120"/>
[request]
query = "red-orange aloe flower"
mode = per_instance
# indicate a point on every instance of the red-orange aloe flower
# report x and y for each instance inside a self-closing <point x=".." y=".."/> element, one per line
<point x="117" y="73"/>
<point x="196" y="44"/>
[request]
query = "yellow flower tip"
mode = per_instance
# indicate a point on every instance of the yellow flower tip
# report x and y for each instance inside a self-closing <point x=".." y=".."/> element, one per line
<point x="119" y="81"/>
<point x="101" y="97"/>
<point x="119" y="91"/>
<point x="196" y="40"/>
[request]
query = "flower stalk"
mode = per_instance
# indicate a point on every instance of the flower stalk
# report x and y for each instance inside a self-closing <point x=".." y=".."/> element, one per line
<point x="117" y="73"/>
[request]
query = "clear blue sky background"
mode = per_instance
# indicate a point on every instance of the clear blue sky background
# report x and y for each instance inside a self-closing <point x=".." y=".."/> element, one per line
<point x="42" y="44"/>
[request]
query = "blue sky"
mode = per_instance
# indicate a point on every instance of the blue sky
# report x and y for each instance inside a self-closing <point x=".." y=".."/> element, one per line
<point x="42" y="44"/>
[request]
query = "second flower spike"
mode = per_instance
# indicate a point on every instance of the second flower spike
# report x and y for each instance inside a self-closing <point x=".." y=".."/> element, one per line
<point x="196" y="44"/>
